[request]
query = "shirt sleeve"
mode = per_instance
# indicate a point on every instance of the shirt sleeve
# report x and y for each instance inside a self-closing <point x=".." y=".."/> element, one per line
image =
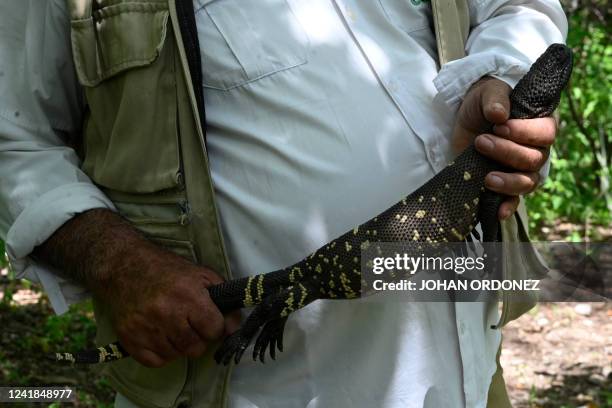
<point x="41" y="108"/>
<point x="506" y="37"/>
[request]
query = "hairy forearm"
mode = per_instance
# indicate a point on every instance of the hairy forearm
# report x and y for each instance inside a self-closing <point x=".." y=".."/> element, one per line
<point x="87" y="249"/>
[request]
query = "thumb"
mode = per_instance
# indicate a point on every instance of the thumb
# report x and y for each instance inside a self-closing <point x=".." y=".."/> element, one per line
<point x="232" y="322"/>
<point x="486" y="103"/>
<point x="495" y="101"/>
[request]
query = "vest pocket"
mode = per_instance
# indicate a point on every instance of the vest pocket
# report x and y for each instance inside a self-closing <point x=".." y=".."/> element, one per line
<point x="124" y="54"/>
<point x="162" y="217"/>
<point x="181" y="248"/>
<point x="116" y="38"/>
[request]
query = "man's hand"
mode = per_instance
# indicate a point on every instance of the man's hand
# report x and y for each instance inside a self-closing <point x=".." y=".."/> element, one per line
<point x="158" y="301"/>
<point x="522" y="145"/>
<point x="161" y="308"/>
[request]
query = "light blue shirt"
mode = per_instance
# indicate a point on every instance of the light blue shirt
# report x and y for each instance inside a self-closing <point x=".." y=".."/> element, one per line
<point x="320" y="114"/>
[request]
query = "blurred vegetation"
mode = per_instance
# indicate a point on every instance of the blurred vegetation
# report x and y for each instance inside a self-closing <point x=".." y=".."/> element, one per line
<point x="578" y="187"/>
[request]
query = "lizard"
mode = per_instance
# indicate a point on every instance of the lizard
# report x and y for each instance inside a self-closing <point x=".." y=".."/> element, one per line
<point x="447" y="208"/>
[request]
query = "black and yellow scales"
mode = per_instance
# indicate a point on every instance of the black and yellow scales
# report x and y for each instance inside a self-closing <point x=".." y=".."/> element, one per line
<point x="445" y="209"/>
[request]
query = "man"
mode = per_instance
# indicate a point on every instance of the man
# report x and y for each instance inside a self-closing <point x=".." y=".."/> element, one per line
<point x="319" y="114"/>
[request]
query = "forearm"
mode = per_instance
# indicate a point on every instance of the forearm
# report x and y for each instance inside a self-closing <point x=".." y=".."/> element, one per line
<point x="92" y="249"/>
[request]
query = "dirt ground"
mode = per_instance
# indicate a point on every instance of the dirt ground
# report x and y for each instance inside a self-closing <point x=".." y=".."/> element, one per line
<point x="560" y="355"/>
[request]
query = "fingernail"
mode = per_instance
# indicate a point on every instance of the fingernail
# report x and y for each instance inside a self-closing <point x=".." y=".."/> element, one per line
<point x="502" y="130"/>
<point x="498" y="107"/>
<point x="495" y="181"/>
<point x="485" y="143"/>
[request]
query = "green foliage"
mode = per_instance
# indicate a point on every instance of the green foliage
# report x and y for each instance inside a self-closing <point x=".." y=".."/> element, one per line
<point x="3" y="259"/>
<point x="578" y="187"/>
<point x="7" y="289"/>
<point x="74" y="329"/>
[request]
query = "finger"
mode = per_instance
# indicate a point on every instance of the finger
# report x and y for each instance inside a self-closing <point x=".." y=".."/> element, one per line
<point x="462" y="138"/>
<point x="495" y="101"/>
<point x="512" y="184"/>
<point x="232" y="322"/>
<point x="212" y="277"/>
<point x="163" y="347"/>
<point x="147" y="338"/>
<point x="508" y="207"/>
<point x="509" y="153"/>
<point x="538" y="132"/>
<point x="207" y="321"/>
<point x="138" y="348"/>
<point x="185" y="338"/>
<point x="148" y="358"/>
<point x="196" y="350"/>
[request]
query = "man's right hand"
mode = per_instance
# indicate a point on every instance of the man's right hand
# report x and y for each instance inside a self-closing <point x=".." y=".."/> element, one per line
<point x="161" y="308"/>
<point x="159" y="301"/>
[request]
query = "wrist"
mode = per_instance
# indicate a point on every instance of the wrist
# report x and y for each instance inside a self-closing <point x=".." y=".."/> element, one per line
<point x="91" y="248"/>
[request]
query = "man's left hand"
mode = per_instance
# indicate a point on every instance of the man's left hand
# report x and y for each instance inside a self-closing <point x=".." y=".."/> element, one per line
<point x="520" y="144"/>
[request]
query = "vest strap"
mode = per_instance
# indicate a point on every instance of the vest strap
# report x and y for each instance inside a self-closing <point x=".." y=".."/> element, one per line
<point x="189" y="33"/>
<point x="452" y="26"/>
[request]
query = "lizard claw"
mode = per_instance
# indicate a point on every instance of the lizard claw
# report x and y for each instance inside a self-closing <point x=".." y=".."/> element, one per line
<point x="271" y="336"/>
<point x="233" y="346"/>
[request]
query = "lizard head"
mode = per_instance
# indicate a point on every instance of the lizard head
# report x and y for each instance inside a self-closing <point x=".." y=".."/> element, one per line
<point x="539" y="91"/>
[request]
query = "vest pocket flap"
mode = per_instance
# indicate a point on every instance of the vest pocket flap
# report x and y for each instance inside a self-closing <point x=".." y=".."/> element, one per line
<point x="117" y="38"/>
<point x="181" y="248"/>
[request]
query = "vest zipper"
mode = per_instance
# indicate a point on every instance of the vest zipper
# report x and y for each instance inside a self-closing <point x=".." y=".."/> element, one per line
<point x="185" y="216"/>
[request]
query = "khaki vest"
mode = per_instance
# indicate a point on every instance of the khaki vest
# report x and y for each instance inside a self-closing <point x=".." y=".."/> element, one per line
<point x="144" y="147"/>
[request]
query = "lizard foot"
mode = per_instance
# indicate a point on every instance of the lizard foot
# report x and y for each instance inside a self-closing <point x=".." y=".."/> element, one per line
<point x="233" y="346"/>
<point x="271" y="336"/>
<point x="273" y="310"/>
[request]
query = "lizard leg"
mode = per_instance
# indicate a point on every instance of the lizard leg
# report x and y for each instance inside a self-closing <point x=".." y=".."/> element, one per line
<point x="248" y="291"/>
<point x="489" y="207"/>
<point x="491" y="231"/>
<point x="274" y="307"/>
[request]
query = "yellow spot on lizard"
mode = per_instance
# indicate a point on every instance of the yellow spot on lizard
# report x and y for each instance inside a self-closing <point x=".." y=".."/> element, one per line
<point x="260" y="289"/>
<point x="303" y="297"/>
<point x="248" y="299"/>
<point x="457" y="234"/>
